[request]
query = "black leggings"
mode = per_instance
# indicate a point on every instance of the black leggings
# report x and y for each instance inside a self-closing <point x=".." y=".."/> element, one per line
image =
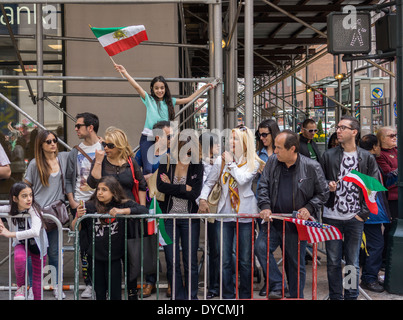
<point x="101" y="279"/>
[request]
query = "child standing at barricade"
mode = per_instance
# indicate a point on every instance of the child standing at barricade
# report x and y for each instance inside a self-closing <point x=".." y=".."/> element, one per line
<point x="108" y="198"/>
<point x="22" y="201"/>
<point x="160" y="107"/>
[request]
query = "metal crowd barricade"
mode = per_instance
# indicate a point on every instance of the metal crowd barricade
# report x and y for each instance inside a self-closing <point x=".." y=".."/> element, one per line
<point x="190" y="217"/>
<point x="10" y="254"/>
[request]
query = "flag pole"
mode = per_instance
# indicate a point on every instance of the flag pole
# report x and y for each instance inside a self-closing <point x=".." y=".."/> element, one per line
<point x="113" y="61"/>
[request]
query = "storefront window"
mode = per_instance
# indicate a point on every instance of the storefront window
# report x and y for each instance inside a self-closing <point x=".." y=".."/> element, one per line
<point x="16" y="131"/>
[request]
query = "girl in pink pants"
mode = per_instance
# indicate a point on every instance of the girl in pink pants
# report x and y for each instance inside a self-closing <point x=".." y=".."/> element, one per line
<point x="27" y="234"/>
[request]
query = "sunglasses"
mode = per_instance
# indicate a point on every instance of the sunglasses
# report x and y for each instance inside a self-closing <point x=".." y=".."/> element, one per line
<point x="393" y="135"/>
<point x="264" y="134"/>
<point x="109" y="145"/>
<point x="79" y="125"/>
<point x="51" y="140"/>
<point x="241" y="127"/>
<point x="311" y="130"/>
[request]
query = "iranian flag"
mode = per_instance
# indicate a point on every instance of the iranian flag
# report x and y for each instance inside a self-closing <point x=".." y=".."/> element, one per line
<point x="164" y="238"/>
<point x="369" y="185"/>
<point x="116" y="40"/>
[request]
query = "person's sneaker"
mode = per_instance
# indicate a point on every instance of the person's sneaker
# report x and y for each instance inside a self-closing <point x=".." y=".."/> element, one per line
<point x="372" y="286"/>
<point x="20" y="293"/>
<point x="56" y="293"/>
<point x="87" y="293"/>
<point x="30" y="294"/>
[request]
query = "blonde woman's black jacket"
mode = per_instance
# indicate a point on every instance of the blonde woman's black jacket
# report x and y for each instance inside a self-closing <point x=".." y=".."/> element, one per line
<point x="194" y="179"/>
<point x="331" y="161"/>
<point x="310" y="189"/>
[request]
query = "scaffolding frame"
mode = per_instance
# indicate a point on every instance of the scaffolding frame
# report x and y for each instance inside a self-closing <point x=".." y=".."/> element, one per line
<point x="223" y="106"/>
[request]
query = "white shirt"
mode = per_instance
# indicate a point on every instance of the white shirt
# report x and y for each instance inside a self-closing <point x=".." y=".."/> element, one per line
<point x="347" y="200"/>
<point x="83" y="190"/>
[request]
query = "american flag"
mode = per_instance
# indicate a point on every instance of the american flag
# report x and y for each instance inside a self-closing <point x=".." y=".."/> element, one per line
<point x="313" y="231"/>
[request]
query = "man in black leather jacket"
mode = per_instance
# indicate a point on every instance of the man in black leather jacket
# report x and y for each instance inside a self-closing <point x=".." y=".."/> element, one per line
<point x="289" y="182"/>
<point x="346" y="208"/>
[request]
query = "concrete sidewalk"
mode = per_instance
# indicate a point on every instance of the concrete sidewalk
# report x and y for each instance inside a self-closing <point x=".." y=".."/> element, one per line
<point x="68" y="278"/>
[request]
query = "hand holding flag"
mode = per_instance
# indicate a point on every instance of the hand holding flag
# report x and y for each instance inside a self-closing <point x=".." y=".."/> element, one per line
<point x="369" y="185"/>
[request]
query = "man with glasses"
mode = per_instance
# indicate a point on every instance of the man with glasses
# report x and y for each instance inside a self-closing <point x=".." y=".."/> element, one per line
<point x="307" y="146"/>
<point x="78" y="169"/>
<point x="346" y="208"/>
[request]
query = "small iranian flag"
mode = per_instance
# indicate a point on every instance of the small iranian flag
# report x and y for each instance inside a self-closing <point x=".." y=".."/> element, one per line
<point x="116" y="40"/>
<point x="369" y="185"/>
<point x="164" y="238"/>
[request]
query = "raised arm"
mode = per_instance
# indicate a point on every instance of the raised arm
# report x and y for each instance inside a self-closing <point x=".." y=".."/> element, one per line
<point x="194" y="94"/>
<point x="133" y="82"/>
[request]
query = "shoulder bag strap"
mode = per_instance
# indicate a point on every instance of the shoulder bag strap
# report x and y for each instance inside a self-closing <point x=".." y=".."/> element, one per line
<point x="83" y="153"/>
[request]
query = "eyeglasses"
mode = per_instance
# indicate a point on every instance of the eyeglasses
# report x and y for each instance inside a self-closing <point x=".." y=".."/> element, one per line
<point x="51" y="140"/>
<point x="392" y="135"/>
<point x="342" y="128"/>
<point x="109" y="145"/>
<point x="79" y="125"/>
<point x="264" y="134"/>
<point x="311" y="130"/>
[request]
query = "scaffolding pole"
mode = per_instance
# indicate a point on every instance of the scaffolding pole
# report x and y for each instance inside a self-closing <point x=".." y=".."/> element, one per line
<point x="249" y="64"/>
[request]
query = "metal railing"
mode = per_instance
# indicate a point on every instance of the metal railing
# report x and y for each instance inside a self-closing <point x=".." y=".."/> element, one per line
<point x="59" y="280"/>
<point x="205" y="255"/>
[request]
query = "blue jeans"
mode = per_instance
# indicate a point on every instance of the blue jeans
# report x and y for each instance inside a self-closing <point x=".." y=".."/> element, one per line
<point x="349" y="247"/>
<point x="244" y="257"/>
<point x="371" y="264"/>
<point x="213" y="242"/>
<point x="291" y="257"/>
<point x="53" y="250"/>
<point x="182" y="236"/>
<point x="145" y="145"/>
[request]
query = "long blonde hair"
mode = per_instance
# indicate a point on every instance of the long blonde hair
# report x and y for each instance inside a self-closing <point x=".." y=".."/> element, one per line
<point x="119" y="138"/>
<point x="245" y="135"/>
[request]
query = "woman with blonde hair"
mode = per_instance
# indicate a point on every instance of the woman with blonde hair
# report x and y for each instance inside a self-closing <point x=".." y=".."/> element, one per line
<point x="240" y="165"/>
<point x="117" y="160"/>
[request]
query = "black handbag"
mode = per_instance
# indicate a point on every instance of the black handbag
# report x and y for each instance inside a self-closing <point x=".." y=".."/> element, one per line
<point x="57" y="208"/>
<point x="150" y="251"/>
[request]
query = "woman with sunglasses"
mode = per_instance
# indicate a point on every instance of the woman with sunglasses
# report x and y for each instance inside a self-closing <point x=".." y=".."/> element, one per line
<point x="241" y="164"/>
<point x="387" y="162"/>
<point x="267" y="132"/>
<point x="45" y="174"/>
<point x="114" y="161"/>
